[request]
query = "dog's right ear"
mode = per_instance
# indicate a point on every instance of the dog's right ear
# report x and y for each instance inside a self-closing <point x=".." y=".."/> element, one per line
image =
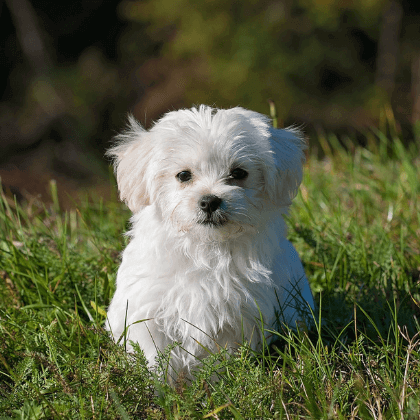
<point x="132" y="154"/>
<point x="288" y="146"/>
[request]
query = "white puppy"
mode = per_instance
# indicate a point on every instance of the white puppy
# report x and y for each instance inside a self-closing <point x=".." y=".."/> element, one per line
<point x="208" y="264"/>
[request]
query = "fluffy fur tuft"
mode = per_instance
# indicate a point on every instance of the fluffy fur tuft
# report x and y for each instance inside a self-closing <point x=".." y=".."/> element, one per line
<point x="208" y="254"/>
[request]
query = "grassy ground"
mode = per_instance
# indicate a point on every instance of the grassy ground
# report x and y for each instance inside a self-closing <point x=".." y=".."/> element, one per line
<point x="356" y="225"/>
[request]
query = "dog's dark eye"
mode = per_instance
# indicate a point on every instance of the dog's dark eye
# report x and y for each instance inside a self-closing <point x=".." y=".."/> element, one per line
<point x="184" y="176"/>
<point x="239" y="173"/>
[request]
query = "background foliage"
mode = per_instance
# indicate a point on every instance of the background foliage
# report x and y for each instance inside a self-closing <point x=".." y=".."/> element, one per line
<point x="75" y="69"/>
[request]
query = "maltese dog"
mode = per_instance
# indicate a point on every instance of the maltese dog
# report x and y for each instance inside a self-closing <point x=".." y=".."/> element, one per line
<point x="208" y="265"/>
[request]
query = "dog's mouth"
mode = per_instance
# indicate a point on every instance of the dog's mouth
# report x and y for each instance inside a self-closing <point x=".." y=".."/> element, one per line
<point x="214" y="220"/>
<point x="212" y="223"/>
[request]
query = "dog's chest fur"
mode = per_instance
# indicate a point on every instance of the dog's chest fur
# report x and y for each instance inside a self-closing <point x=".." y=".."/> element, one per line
<point x="193" y="289"/>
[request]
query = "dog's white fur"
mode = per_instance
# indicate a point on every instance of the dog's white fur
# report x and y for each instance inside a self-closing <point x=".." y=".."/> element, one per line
<point x="202" y="280"/>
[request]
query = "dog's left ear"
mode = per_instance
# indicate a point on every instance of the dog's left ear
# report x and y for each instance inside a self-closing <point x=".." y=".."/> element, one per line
<point x="132" y="155"/>
<point x="288" y="146"/>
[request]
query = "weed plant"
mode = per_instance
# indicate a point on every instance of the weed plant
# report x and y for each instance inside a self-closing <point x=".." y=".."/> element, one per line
<point x="356" y="226"/>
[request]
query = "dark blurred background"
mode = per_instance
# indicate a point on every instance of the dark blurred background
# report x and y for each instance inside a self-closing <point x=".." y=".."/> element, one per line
<point x="73" y="69"/>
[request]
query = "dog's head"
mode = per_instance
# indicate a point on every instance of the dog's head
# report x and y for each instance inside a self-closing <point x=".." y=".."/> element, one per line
<point x="209" y="170"/>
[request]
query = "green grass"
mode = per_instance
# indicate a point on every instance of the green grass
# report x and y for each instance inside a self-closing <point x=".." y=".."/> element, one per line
<point x="356" y="225"/>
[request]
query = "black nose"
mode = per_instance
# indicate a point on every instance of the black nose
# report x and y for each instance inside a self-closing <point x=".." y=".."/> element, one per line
<point x="209" y="203"/>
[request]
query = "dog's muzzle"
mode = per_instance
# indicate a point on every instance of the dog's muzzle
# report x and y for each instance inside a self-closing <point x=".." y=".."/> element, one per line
<point x="210" y="212"/>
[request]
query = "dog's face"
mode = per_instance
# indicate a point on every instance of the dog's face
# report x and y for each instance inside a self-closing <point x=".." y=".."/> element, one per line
<point x="212" y="173"/>
<point x="212" y="181"/>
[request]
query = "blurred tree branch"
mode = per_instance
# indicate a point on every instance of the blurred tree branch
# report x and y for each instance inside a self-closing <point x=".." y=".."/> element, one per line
<point x="48" y="106"/>
<point x="29" y="35"/>
<point x="388" y="48"/>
